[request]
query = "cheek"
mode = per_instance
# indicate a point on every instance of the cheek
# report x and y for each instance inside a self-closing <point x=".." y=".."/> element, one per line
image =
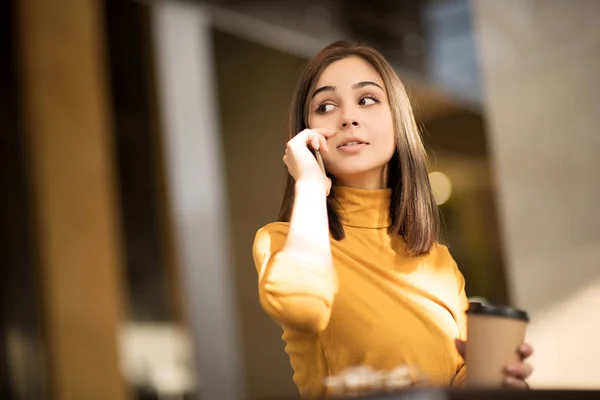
<point x="322" y="121"/>
<point x="387" y="136"/>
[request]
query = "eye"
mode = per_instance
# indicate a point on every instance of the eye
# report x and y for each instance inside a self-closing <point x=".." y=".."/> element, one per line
<point x="325" y="108"/>
<point x="367" y="101"/>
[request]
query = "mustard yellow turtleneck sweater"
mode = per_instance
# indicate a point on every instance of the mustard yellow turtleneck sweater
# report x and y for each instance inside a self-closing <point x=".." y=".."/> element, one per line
<point x="379" y="307"/>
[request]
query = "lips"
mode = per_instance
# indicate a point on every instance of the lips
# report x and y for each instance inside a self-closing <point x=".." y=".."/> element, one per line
<point x="352" y="141"/>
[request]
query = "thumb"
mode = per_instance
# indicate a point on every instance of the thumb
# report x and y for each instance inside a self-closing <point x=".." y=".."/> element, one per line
<point x="327" y="186"/>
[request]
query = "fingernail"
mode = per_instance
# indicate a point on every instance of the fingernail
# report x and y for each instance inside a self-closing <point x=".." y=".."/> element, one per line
<point x="510" y="369"/>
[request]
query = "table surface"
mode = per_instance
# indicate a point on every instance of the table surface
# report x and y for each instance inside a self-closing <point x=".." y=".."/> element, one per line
<point x="487" y="394"/>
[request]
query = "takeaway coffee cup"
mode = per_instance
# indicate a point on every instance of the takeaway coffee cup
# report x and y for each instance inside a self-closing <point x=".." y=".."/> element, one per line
<point x="494" y="335"/>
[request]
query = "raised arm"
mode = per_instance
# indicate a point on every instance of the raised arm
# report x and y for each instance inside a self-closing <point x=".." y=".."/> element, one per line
<point x="297" y="282"/>
<point x="308" y="238"/>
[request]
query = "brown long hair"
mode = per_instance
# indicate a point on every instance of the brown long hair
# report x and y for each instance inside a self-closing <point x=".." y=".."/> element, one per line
<point x="413" y="211"/>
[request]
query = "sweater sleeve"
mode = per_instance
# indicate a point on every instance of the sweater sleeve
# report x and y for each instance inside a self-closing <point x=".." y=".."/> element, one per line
<point x="297" y="294"/>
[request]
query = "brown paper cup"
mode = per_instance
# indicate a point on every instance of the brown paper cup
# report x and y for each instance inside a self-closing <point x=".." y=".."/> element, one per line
<point x="494" y="335"/>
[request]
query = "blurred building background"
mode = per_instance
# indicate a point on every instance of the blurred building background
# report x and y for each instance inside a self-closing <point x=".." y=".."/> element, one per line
<point x="141" y="150"/>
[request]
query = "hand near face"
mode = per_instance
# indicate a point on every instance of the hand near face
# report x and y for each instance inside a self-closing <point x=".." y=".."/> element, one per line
<point x="301" y="163"/>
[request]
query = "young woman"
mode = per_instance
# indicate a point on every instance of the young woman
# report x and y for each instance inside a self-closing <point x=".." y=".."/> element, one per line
<point x="353" y="271"/>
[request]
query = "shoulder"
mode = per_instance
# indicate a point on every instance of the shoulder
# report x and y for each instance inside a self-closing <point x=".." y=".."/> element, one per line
<point x="444" y="261"/>
<point x="441" y="250"/>
<point x="268" y="240"/>
<point x="440" y="254"/>
<point x="270" y="232"/>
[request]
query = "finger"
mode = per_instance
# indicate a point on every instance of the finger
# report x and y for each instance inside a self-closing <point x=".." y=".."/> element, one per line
<point x="323" y="144"/>
<point x="518" y="370"/>
<point x="315" y="143"/>
<point x="515" y="383"/>
<point x="307" y="135"/>
<point x="461" y="346"/>
<point x="525" y="350"/>
<point x="304" y="137"/>
<point x="324" y="131"/>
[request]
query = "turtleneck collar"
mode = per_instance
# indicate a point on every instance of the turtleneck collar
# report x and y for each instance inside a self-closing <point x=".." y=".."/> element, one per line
<point x="363" y="208"/>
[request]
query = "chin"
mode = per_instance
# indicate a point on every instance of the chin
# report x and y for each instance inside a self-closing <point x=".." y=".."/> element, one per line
<point x="355" y="168"/>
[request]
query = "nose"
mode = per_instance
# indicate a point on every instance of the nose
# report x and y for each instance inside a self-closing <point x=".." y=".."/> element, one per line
<point x="348" y="120"/>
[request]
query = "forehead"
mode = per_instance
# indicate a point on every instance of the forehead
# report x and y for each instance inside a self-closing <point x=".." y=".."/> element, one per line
<point x="349" y="71"/>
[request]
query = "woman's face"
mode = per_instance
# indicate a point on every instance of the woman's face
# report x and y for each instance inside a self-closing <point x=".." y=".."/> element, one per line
<point x="350" y="98"/>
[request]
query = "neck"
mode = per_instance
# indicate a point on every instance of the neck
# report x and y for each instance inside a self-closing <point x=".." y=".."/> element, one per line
<point x="369" y="180"/>
<point x="363" y="208"/>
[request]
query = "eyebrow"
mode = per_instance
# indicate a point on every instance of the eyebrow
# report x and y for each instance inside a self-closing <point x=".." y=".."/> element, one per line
<point x="355" y="86"/>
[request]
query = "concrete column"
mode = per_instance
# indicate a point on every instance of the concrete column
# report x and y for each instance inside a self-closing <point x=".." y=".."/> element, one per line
<point x="197" y="197"/>
<point x="540" y="63"/>
<point x="65" y="105"/>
